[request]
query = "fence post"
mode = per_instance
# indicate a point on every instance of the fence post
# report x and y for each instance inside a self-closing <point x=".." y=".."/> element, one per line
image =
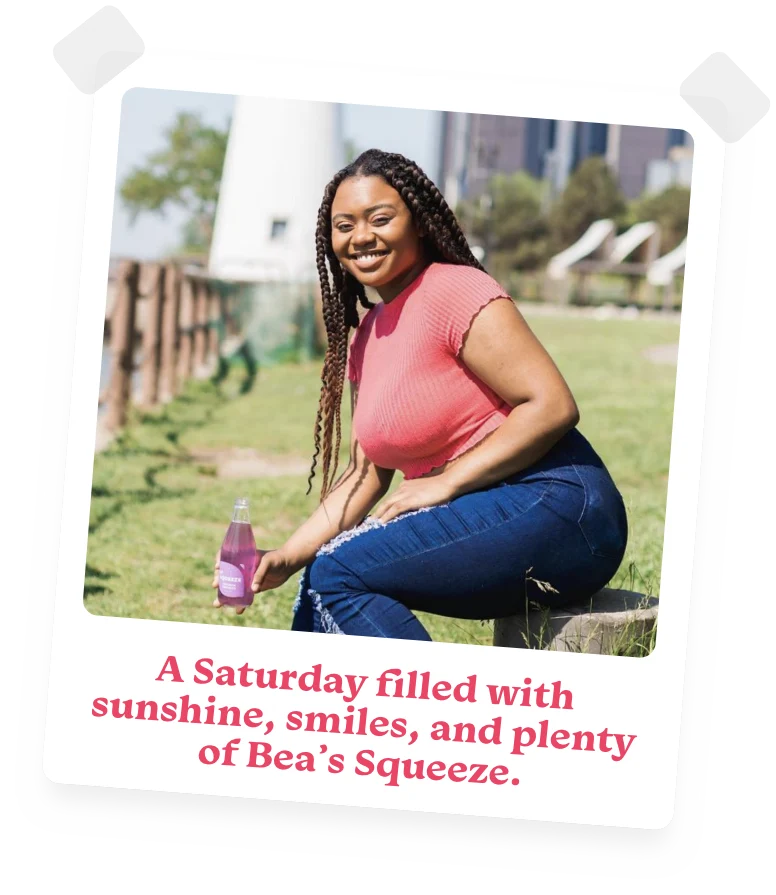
<point x="169" y="351"/>
<point x="200" y="331"/>
<point x="152" y="341"/>
<point x="185" y="353"/>
<point x="669" y="294"/>
<point x="122" y="344"/>
<point x="582" y="289"/>
<point x="634" y="288"/>
<point x="216" y="313"/>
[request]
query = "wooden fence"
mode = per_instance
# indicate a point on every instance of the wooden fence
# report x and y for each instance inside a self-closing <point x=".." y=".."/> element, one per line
<point x="177" y="316"/>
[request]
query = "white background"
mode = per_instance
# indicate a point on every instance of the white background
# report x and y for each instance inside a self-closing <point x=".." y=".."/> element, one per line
<point x="160" y="840"/>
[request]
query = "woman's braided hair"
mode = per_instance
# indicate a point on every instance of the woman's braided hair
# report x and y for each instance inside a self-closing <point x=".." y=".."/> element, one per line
<point x="443" y="241"/>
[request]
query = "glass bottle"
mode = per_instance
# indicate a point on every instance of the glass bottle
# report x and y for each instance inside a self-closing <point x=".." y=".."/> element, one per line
<point x="239" y="559"/>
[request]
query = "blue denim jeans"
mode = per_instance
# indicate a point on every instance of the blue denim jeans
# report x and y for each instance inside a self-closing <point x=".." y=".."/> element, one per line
<point x="554" y="534"/>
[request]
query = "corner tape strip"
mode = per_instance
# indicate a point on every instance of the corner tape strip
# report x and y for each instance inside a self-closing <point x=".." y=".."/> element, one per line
<point x="98" y="49"/>
<point x="726" y="99"/>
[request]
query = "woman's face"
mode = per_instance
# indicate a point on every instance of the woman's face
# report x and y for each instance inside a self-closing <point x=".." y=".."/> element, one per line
<point x="373" y="234"/>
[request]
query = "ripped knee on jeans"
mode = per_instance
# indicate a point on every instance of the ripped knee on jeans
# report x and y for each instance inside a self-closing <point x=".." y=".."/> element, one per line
<point x="309" y="600"/>
<point x="327" y="623"/>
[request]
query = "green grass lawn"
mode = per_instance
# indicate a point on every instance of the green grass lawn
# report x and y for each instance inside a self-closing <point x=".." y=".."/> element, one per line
<point x="158" y="515"/>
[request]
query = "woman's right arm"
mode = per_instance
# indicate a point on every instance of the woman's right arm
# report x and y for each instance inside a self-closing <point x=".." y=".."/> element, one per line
<point x="355" y="493"/>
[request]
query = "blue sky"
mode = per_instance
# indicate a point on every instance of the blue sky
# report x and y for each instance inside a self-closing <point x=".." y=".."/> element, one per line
<point x="146" y="113"/>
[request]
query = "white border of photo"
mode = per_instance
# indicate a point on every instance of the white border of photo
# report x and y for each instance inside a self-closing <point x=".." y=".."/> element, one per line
<point x="98" y="656"/>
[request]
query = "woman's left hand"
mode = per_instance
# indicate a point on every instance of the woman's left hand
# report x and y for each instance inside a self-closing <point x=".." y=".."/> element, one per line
<point x="413" y="494"/>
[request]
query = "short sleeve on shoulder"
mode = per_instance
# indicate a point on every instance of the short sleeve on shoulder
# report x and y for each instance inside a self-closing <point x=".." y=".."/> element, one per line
<point x="460" y="295"/>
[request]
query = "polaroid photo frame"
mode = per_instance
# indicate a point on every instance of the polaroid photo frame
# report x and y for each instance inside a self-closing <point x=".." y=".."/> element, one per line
<point x="632" y="706"/>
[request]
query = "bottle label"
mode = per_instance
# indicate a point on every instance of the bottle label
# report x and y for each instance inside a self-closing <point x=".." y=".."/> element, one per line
<point x="230" y="580"/>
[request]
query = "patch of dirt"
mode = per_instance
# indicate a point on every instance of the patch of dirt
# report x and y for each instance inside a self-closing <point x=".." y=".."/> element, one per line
<point x="662" y="354"/>
<point x="247" y="463"/>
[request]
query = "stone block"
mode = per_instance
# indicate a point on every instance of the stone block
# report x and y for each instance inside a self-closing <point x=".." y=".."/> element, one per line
<point x="610" y="622"/>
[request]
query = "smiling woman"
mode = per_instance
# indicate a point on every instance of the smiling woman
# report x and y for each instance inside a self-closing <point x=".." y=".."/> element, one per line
<point x="503" y="499"/>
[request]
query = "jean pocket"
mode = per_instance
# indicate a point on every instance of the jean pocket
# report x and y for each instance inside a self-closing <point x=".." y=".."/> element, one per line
<point x="603" y="521"/>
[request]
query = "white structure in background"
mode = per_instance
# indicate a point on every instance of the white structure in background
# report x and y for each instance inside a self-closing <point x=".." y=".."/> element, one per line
<point x="279" y="157"/>
<point x="559" y="159"/>
<point x="595" y="238"/>
<point x="662" y="271"/>
<point x="599" y="251"/>
<point x="599" y="239"/>
<point x="634" y="237"/>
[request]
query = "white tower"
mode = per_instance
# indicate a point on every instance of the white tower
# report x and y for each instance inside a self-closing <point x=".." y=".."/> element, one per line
<point x="280" y="156"/>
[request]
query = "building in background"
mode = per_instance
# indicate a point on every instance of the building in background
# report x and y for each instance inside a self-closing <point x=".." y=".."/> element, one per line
<point x="453" y="153"/>
<point x="474" y="147"/>
<point x="676" y="170"/>
<point x="637" y="148"/>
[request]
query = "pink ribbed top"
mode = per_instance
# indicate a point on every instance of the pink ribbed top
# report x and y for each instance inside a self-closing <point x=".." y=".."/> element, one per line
<point x="418" y="404"/>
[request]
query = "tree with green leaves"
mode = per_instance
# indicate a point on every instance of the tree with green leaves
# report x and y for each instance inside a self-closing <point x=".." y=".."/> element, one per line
<point x="352" y="151"/>
<point x="508" y="221"/>
<point x="670" y="210"/>
<point x="186" y="173"/>
<point x="592" y="193"/>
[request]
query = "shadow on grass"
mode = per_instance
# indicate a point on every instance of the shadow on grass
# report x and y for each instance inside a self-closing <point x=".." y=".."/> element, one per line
<point x="170" y="423"/>
<point x="90" y="587"/>
<point x="245" y="352"/>
<point x="136" y="496"/>
<point x="188" y="412"/>
<point x="251" y="368"/>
